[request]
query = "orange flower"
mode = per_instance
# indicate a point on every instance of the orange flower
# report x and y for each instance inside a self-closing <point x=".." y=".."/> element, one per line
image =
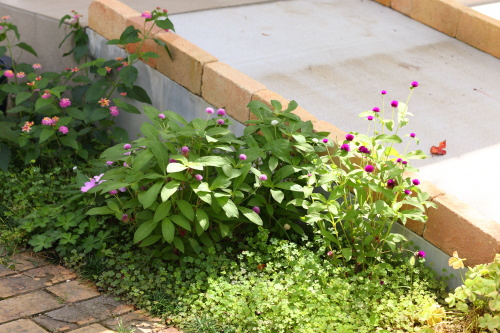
<point x="104" y="102"/>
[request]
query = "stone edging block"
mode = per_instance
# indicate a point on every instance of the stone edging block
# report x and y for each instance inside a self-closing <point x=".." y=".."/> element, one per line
<point x="454" y="19"/>
<point x="225" y="87"/>
<point x="109" y="17"/>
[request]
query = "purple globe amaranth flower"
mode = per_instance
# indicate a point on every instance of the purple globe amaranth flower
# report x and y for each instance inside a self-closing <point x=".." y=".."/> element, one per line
<point x="220" y="121"/>
<point x="369" y="118"/>
<point x="110" y="163"/>
<point x="399" y="160"/>
<point x="412" y="135"/>
<point x="243" y="157"/>
<point x="221" y="112"/>
<point x="329" y="253"/>
<point x="345" y="147"/>
<point x="263" y="177"/>
<point x="122" y="189"/>
<point x="63" y="130"/>
<point x="369" y="168"/>
<point x="171" y="160"/>
<point x="127" y="146"/>
<point x="256" y="209"/>
<point x="394" y="104"/>
<point x="383" y="92"/>
<point x="161" y="115"/>
<point x="363" y="149"/>
<point x="414" y="84"/>
<point x="113" y="192"/>
<point x="408" y="192"/>
<point x="185" y="149"/>
<point x="391" y="183"/>
<point x="349" y="137"/>
<point x="404" y="162"/>
<point x="420" y="254"/>
<point x="198" y="177"/>
<point x="376" y="109"/>
<point x="125" y="217"/>
<point x="325" y="140"/>
<point x="209" y="110"/>
<point x="415" y="182"/>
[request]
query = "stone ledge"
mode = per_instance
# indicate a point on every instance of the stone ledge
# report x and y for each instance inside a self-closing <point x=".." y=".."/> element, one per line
<point x="480" y="31"/>
<point x="109" y="17"/>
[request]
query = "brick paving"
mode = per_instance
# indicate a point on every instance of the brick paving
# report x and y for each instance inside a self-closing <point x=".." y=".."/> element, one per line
<point x="40" y="297"/>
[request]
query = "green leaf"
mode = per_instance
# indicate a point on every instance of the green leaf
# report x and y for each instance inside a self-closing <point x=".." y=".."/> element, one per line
<point x="277" y="195"/>
<point x="169" y="189"/>
<point x="42" y="103"/>
<point x="5" y="155"/>
<point x="162" y="211"/>
<point x="22" y="96"/>
<point x="128" y="74"/>
<point x="220" y="182"/>
<point x="150" y="240"/>
<point x="181" y="221"/>
<point x="144" y="230"/>
<point x="46" y="134"/>
<point x="165" y="24"/>
<point x="284" y="172"/>
<point x="179" y="244"/>
<point x="130" y="35"/>
<point x="186" y="209"/>
<point x="127" y="107"/>
<point x="149" y="197"/>
<point x="96" y="91"/>
<point x="251" y="215"/>
<point x="273" y="163"/>
<point x="205" y="239"/>
<point x="100" y="211"/>
<point x="289" y="186"/>
<point x="216" y="161"/>
<point x="175" y="167"/>
<point x="347" y="253"/>
<point x="388" y="138"/>
<point x="224" y="229"/>
<point x="228" y="206"/>
<point x="27" y="48"/>
<point x="202" y="219"/>
<point x="160" y="152"/>
<point x="168" y="229"/>
<point x="175" y="116"/>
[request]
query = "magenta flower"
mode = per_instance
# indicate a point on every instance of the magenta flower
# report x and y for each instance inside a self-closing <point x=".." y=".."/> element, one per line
<point x="220" y="121"/>
<point x="20" y="75"/>
<point x="325" y="140"/>
<point x="376" y="109"/>
<point x="412" y="135"/>
<point x="122" y="189"/>
<point x="64" y="103"/>
<point x="110" y="163"/>
<point x="363" y="149"/>
<point x="63" y="130"/>
<point x="171" y="160"/>
<point x="185" y="149"/>
<point x="37" y="66"/>
<point x="221" y="112"/>
<point x="369" y="118"/>
<point x="383" y="92"/>
<point x="47" y="121"/>
<point x="369" y="168"/>
<point x="399" y="160"/>
<point x="9" y="73"/>
<point x="405" y="162"/>
<point x="256" y="209"/>
<point x="414" y="84"/>
<point x="113" y="192"/>
<point x="329" y="253"/>
<point x="391" y="183"/>
<point x="421" y="254"/>
<point x="88" y="185"/>
<point x="46" y="95"/>
<point x="113" y="110"/>
<point x="349" y="137"/>
<point x="209" y="110"/>
<point x="243" y="157"/>
<point x="127" y="146"/>
<point x="198" y="177"/>
<point x="394" y="104"/>
<point x="345" y="147"/>
<point x="263" y="177"/>
<point x="408" y="192"/>
<point x="125" y="218"/>
<point x="161" y="115"/>
<point x="147" y="15"/>
<point x="415" y="182"/>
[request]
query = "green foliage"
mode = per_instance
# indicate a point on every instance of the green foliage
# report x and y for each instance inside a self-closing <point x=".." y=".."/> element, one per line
<point x="479" y="296"/>
<point x="67" y="116"/>
<point x="190" y="184"/>
<point x="269" y="285"/>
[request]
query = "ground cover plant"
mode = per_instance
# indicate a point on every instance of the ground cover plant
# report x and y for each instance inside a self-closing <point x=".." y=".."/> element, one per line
<point x="278" y="230"/>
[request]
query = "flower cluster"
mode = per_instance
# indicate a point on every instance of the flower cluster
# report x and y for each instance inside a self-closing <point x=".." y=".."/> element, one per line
<point x="96" y="180"/>
<point x="50" y="121"/>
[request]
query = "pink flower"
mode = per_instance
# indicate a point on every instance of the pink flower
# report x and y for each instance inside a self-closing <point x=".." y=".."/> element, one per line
<point x="391" y="183"/>
<point x="37" y="66"/>
<point x="46" y="95"/>
<point x="383" y="92"/>
<point x="349" y="137"/>
<point x="64" y="103"/>
<point x="113" y="192"/>
<point x="345" y="147"/>
<point x="198" y="177"/>
<point x="369" y="118"/>
<point x="412" y="135"/>
<point x="408" y="192"/>
<point x="161" y="115"/>
<point x="376" y="109"/>
<point x="63" y="130"/>
<point x="243" y="157"/>
<point x="104" y="102"/>
<point x="185" y="149"/>
<point x="256" y="209"/>
<point x="147" y="15"/>
<point x="122" y="189"/>
<point x="220" y="121"/>
<point x="123" y="94"/>
<point x="263" y="177"/>
<point x="110" y="163"/>
<point x="414" y="84"/>
<point x="27" y="126"/>
<point x="209" y="110"/>
<point x="9" y="73"/>
<point x="369" y="168"/>
<point x="127" y="146"/>
<point x="394" y="104"/>
<point x="20" y="75"/>
<point x="325" y="140"/>
<point x="415" y="182"/>
<point x="47" y="121"/>
<point x="421" y="254"/>
<point x="125" y="218"/>
<point x="113" y="110"/>
<point x="221" y="112"/>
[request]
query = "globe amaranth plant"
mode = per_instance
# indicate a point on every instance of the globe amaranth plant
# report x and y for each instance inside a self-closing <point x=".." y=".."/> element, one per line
<point x="187" y="184"/>
<point x="69" y="115"/>
<point x="479" y="296"/>
<point x="366" y="190"/>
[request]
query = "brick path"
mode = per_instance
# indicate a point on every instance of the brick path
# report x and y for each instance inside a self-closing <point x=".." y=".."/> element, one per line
<point x="40" y="297"/>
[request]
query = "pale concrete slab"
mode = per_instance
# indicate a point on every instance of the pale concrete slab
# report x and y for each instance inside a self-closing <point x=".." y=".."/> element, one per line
<point x="333" y="57"/>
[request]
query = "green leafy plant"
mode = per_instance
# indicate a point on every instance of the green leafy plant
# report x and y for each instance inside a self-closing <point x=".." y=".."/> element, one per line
<point x="366" y="190"/>
<point x="189" y="184"/>
<point x="479" y="296"/>
<point x="69" y="115"/>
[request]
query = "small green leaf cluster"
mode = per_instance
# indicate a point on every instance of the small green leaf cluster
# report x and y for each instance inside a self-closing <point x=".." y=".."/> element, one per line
<point x="71" y="114"/>
<point x="263" y="284"/>
<point x="189" y="184"/>
<point x="480" y="296"/>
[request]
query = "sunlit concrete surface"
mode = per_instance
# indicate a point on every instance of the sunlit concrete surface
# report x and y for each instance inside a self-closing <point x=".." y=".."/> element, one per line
<point x="492" y="10"/>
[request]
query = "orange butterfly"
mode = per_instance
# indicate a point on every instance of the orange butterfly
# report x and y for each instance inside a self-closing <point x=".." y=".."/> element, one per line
<point x="439" y="150"/>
